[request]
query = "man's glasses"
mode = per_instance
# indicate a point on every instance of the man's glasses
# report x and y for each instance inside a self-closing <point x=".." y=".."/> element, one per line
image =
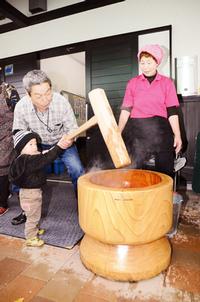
<point x="39" y="97"/>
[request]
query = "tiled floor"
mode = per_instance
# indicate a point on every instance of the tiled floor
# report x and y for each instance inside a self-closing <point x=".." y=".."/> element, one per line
<point x="50" y="274"/>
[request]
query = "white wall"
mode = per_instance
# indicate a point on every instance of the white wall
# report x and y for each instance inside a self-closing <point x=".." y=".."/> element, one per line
<point x="66" y="72"/>
<point x="123" y="17"/>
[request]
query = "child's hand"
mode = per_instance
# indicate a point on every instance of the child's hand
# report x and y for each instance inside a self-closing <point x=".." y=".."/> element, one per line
<point x="65" y="142"/>
<point x="45" y="151"/>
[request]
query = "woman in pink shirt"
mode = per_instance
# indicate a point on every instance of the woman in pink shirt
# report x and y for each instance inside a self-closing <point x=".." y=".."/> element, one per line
<point x="151" y="103"/>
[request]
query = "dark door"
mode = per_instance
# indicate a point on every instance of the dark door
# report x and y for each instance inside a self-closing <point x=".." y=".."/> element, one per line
<point x="109" y="65"/>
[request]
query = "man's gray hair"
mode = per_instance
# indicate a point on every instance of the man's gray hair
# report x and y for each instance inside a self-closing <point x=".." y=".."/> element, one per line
<point x="35" y="77"/>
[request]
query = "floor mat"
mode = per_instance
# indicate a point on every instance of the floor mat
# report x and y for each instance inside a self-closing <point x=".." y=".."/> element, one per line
<point x="59" y="216"/>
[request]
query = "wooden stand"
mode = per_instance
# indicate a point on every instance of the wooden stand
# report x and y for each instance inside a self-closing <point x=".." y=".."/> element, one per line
<point x="125" y="262"/>
<point x="125" y="215"/>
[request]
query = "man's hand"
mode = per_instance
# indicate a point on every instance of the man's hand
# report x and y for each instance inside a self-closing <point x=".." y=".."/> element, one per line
<point x="65" y="142"/>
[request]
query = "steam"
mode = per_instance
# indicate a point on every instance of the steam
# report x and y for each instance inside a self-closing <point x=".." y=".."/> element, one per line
<point x="97" y="165"/>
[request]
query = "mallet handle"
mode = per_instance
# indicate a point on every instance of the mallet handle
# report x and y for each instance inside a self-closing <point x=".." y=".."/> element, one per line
<point x="90" y="123"/>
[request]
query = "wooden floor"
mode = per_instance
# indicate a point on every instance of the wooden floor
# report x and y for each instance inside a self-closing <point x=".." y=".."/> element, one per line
<point x="50" y="274"/>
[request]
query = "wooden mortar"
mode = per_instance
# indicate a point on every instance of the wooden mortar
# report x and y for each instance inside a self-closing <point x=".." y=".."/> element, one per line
<point x="125" y="215"/>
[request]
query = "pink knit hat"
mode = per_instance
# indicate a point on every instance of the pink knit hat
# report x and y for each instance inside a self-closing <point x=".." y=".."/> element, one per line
<point x="153" y="49"/>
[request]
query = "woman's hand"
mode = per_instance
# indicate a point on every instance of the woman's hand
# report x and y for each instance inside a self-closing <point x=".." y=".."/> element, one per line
<point x="174" y="122"/>
<point x="123" y="118"/>
<point x="177" y="143"/>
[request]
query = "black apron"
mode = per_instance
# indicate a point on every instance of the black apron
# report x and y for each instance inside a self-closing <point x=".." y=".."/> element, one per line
<point x="145" y="137"/>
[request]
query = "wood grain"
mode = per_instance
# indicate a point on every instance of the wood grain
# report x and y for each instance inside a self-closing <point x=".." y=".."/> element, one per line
<point x="125" y="206"/>
<point x="108" y="127"/>
<point x="125" y="262"/>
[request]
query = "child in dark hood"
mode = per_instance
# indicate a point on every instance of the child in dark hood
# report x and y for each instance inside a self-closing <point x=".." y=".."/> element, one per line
<point x="27" y="172"/>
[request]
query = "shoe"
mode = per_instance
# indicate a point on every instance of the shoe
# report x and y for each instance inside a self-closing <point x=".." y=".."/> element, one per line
<point x="41" y="231"/>
<point x="35" y="241"/>
<point x="21" y="218"/>
<point x="3" y="211"/>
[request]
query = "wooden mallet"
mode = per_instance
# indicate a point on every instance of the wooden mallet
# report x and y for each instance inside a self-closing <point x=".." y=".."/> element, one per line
<point x="103" y="116"/>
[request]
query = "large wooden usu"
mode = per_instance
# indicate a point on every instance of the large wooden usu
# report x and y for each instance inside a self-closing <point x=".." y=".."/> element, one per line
<point x="125" y="215"/>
